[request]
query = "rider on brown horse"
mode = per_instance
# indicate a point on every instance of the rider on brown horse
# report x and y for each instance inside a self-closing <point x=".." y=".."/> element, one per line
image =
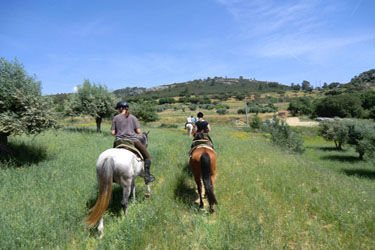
<point x="203" y="127"/>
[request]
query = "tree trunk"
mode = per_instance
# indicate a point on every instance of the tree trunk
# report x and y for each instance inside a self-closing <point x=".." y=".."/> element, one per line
<point x="98" y="123"/>
<point x="4" y="138"/>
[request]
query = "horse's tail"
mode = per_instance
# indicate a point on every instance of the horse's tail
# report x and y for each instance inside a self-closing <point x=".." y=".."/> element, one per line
<point x="206" y="176"/>
<point x="105" y="192"/>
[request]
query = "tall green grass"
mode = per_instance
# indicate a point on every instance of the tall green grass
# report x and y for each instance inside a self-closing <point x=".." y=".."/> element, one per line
<point x="267" y="198"/>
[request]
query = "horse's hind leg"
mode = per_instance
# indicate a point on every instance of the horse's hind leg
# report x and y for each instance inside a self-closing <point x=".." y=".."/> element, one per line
<point x="126" y="188"/>
<point x="133" y="190"/>
<point x="199" y="186"/>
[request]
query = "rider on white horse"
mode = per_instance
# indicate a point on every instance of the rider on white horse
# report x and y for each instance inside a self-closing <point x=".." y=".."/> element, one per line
<point x="125" y="126"/>
<point x="190" y="120"/>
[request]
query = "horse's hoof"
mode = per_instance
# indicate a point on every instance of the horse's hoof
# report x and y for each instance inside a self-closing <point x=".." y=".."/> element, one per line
<point x="147" y="195"/>
<point x="100" y="235"/>
<point x="201" y="206"/>
<point x="212" y="210"/>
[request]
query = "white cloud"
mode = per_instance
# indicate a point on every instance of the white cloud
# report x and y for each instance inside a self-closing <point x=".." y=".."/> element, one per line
<point x="293" y="28"/>
<point x="75" y="89"/>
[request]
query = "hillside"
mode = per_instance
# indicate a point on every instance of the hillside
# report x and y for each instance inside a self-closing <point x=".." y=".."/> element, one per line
<point x="209" y="86"/>
<point x="364" y="81"/>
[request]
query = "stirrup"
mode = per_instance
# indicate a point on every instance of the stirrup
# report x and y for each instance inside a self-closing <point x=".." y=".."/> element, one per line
<point x="149" y="179"/>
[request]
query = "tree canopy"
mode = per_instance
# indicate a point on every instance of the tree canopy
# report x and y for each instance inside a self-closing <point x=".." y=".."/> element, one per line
<point x="22" y="107"/>
<point x="94" y="100"/>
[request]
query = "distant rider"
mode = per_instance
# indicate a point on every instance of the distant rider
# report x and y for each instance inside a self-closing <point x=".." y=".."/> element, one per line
<point x="125" y="126"/>
<point x="189" y="120"/>
<point x="203" y="126"/>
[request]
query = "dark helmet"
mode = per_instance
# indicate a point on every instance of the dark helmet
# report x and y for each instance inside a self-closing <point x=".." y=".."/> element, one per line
<point x="200" y="115"/>
<point x="122" y="104"/>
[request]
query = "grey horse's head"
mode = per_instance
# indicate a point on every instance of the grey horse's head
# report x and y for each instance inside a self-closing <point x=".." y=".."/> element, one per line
<point x="143" y="138"/>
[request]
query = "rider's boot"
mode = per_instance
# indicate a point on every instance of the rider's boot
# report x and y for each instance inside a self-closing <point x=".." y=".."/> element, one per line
<point x="147" y="176"/>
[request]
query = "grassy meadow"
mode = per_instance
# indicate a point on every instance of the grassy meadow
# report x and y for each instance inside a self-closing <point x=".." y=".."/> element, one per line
<point x="268" y="199"/>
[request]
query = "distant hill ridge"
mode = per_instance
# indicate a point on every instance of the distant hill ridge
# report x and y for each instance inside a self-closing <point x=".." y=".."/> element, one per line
<point x="216" y="85"/>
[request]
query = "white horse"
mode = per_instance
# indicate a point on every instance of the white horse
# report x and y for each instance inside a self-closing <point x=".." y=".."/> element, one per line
<point x="189" y="128"/>
<point x="122" y="166"/>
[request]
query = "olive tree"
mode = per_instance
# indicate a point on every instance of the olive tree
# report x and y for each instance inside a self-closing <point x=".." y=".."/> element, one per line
<point x="94" y="100"/>
<point x="22" y="107"/>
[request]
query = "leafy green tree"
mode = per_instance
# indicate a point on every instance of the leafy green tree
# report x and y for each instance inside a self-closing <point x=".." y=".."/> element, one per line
<point x="368" y="99"/>
<point x="306" y="85"/>
<point x="361" y="135"/>
<point x="336" y="131"/>
<point x="301" y="106"/>
<point x="22" y="107"/>
<point x="340" y="106"/>
<point x="144" y="111"/>
<point x="296" y="87"/>
<point x="94" y="100"/>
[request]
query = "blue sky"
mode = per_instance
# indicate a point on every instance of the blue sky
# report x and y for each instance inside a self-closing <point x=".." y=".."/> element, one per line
<point x="149" y="43"/>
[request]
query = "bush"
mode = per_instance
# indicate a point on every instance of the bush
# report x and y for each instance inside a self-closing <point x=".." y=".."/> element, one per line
<point x="222" y="111"/>
<point x="167" y="100"/>
<point x="222" y="106"/>
<point x="241" y="111"/>
<point x="192" y="107"/>
<point x="145" y="111"/>
<point x="256" y="123"/>
<point x="283" y="136"/>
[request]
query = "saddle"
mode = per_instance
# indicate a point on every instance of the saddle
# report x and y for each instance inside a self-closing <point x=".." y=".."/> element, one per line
<point x="201" y="143"/>
<point x="128" y="145"/>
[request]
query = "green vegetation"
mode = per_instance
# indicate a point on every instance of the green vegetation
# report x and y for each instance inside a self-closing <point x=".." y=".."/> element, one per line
<point x="283" y="136"/>
<point x="22" y="107"/>
<point x="94" y="100"/>
<point x="357" y="133"/>
<point x="267" y="198"/>
<point x="211" y="86"/>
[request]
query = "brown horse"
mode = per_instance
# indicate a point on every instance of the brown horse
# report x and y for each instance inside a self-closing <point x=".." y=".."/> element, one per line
<point x="203" y="164"/>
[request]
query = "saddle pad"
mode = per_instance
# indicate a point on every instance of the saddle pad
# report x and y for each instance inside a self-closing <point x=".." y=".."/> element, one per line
<point x="201" y="142"/>
<point x="200" y="146"/>
<point x="128" y="145"/>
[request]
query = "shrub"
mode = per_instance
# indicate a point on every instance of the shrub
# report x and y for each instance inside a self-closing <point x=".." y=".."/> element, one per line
<point x="256" y="123"/>
<point x="145" y="111"/>
<point x="241" y="111"/>
<point x="167" y="100"/>
<point x="160" y="108"/>
<point x="192" y="107"/>
<point x="222" y="111"/>
<point x="283" y="136"/>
